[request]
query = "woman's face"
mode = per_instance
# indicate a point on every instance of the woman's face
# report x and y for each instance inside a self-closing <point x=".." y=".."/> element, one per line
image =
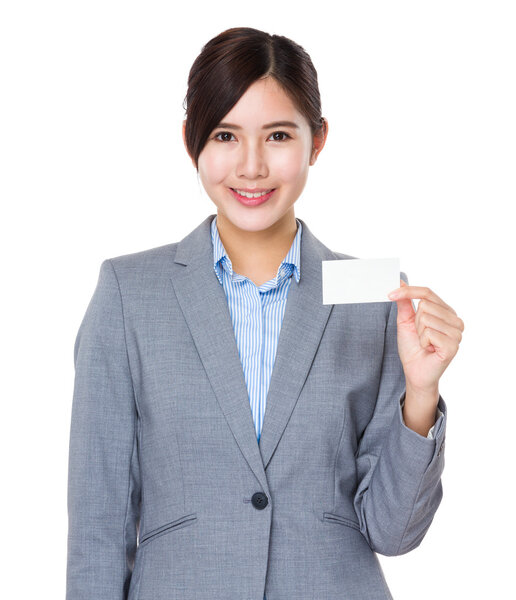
<point x="249" y="152"/>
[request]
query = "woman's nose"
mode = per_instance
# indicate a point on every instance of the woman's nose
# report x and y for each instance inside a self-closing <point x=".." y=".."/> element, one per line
<point x="252" y="162"/>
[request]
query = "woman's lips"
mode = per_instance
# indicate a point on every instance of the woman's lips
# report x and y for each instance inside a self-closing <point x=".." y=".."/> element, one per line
<point x="251" y="201"/>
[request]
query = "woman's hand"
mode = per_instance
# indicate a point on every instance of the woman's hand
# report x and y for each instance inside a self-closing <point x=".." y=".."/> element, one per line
<point x="428" y="338"/>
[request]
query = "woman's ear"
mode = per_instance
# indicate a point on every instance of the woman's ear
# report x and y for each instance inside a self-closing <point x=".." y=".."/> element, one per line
<point x="318" y="141"/>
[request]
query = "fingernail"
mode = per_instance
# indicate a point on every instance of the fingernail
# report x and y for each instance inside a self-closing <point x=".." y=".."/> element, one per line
<point x="393" y="295"/>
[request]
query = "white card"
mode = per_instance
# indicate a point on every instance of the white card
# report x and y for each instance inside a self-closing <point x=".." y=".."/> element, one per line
<point x="359" y="280"/>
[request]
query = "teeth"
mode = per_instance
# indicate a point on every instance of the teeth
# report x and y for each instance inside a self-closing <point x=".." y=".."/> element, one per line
<point x="248" y="195"/>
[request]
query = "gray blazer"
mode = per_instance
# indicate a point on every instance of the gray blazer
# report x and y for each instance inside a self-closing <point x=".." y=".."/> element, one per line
<point x="170" y="497"/>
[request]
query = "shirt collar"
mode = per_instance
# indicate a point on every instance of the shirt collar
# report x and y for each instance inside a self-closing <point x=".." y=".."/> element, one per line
<point x="290" y="264"/>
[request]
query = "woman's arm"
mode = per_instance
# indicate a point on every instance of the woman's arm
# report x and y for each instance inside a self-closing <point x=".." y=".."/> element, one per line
<point x="103" y="476"/>
<point x="398" y="469"/>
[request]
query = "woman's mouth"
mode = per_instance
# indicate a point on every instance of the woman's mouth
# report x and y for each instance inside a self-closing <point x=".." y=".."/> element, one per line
<point x="251" y="199"/>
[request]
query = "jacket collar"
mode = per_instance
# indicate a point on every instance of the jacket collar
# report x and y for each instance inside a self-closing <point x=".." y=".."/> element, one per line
<point x="204" y="305"/>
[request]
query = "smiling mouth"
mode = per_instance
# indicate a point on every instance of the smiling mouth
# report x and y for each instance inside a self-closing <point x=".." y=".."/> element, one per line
<point x="250" y="199"/>
<point x="247" y="194"/>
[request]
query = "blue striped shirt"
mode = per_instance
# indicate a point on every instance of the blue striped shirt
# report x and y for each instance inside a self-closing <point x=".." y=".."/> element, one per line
<point x="256" y="314"/>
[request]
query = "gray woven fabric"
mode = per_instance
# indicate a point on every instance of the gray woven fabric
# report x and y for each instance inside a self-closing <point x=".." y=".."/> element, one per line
<point x="164" y="460"/>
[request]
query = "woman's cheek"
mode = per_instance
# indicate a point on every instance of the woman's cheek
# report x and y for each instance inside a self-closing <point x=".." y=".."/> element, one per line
<point x="291" y="166"/>
<point x="214" y="167"/>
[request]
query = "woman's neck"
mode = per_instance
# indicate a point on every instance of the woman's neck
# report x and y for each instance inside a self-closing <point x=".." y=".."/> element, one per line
<point x="257" y="254"/>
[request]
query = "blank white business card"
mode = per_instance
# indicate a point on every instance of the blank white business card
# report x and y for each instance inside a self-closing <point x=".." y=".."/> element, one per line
<point x="359" y="280"/>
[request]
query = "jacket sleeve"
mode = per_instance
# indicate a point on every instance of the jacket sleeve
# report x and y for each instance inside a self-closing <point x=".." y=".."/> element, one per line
<point x="398" y="470"/>
<point x="103" y="472"/>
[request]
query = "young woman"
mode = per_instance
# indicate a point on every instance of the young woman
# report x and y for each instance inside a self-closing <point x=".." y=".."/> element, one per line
<point x="232" y="436"/>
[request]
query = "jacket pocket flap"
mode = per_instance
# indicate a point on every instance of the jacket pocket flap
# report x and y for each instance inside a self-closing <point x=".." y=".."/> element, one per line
<point x="181" y="522"/>
<point x="342" y="520"/>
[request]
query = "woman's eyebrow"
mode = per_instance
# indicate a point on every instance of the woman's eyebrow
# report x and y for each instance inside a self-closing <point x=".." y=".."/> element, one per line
<point x="267" y="126"/>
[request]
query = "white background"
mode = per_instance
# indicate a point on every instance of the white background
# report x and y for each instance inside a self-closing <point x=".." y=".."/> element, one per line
<point x="419" y="163"/>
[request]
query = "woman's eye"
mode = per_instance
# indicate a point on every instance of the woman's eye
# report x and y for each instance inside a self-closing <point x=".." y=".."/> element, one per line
<point x="223" y="133"/>
<point x="281" y="133"/>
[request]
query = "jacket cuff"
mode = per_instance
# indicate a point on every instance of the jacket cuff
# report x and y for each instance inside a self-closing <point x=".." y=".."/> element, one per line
<point x="430" y="447"/>
<point x="435" y="426"/>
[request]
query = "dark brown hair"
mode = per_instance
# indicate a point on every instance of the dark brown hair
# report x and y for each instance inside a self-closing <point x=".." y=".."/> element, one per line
<point x="233" y="60"/>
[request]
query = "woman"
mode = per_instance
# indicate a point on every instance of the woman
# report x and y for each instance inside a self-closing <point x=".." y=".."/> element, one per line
<point x="210" y="456"/>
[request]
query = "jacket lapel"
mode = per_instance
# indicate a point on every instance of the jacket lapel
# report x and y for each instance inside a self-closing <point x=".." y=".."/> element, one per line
<point x="204" y="305"/>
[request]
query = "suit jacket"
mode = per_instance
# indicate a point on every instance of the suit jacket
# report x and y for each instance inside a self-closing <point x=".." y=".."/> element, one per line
<point x="170" y="497"/>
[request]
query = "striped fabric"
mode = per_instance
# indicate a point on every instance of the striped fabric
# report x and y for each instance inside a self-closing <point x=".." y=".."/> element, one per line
<point x="257" y="314"/>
